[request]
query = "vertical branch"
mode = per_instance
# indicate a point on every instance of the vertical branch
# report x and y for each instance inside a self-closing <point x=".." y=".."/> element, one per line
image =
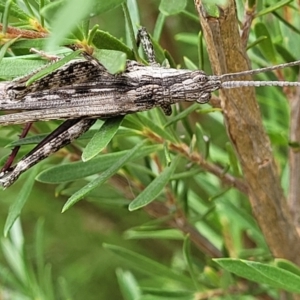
<point x="294" y="160"/>
<point x="246" y="132"/>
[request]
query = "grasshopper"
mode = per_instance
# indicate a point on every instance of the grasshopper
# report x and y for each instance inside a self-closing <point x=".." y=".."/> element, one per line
<point x="83" y="91"/>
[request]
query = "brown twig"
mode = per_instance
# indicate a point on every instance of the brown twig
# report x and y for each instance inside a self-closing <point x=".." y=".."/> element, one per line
<point x="248" y="18"/>
<point x="179" y="221"/>
<point x="173" y="218"/>
<point x="195" y="157"/>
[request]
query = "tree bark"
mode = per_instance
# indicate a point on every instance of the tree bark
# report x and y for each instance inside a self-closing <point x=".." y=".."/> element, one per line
<point x="245" y="129"/>
<point x="294" y="159"/>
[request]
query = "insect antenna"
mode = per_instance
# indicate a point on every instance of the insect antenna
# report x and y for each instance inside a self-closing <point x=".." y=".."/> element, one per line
<point x="237" y="84"/>
<point x="227" y="81"/>
<point x="226" y="77"/>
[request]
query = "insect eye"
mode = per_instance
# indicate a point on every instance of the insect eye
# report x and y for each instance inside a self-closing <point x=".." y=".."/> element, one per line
<point x="199" y="76"/>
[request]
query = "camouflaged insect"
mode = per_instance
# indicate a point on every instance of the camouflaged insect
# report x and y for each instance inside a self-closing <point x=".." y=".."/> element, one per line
<point x="83" y="90"/>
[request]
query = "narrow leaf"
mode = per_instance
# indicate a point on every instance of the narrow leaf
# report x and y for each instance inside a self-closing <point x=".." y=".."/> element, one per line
<point x="50" y="68"/>
<point x="164" y="234"/>
<point x="16" y="208"/>
<point x="152" y="191"/>
<point x="148" y="266"/>
<point x="262" y="273"/>
<point x="171" y="293"/>
<point x="172" y="7"/>
<point x="273" y="7"/>
<point x="113" y="61"/>
<point x="15" y="11"/>
<point x="188" y="260"/>
<point x="234" y="163"/>
<point x="103" y="177"/>
<point x="5" y="47"/>
<point x="12" y="67"/>
<point x="162" y="132"/>
<point x="128" y="285"/>
<point x="287" y="265"/>
<point x="101" y="138"/>
<point x="188" y="38"/>
<point x="78" y="170"/>
<point x="266" y="45"/>
<point x="73" y="11"/>
<point x="103" y="40"/>
<point x="182" y="114"/>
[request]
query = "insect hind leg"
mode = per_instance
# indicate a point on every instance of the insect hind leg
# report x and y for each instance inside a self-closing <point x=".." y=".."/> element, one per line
<point x="144" y="38"/>
<point x="62" y="136"/>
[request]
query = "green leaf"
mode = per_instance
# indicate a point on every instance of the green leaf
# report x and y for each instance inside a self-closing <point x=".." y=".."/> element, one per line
<point x="149" y="266"/>
<point x="159" y="130"/>
<point x="101" y="7"/>
<point x="266" y="46"/>
<point x="39" y="248"/>
<point x="78" y="170"/>
<point x="172" y="293"/>
<point x="188" y="260"/>
<point x="52" y="67"/>
<point x="160" y="21"/>
<point x="16" y="208"/>
<point x="15" y="11"/>
<point x="97" y="7"/>
<point x="58" y="12"/>
<point x="73" y="11"/>
<point x="152" y="191"/>
<point x="35" y="139"/>
<point x="287" y="56"/>
<point x="187" y="174"/>
<point x="256" y="42"/>
<point x="202" y="141"/>
<point x="243" y="220"/>
<point x="30" y="43"/>
<point x="9" y="279"/>
<point x="182" y="114"/>
<point x="234" y="163"/>
<point x="188" y="38"/>
<point x="113" y="61"/>
<point x="128" y="285"/>
<point x="286" y="22"/>
<point x="104" y="40"/>
<point x="262" y="273"/>
<point x="287" y="265"/>
<point x="172" y="7"/>
<point x="167" y="154"/>
<point x="16" y="66"/>
<point x="189" y="64"/>
<point x="273" y="7"/>
<point x="65" y="290"/>
<point x="101" y="138"/>
<point x="164" y="234"/>
<point x="103" y="177"/>
<point x="5" y="47"/>
<point x="13" y="254"/>
<point x="211" y="7"/>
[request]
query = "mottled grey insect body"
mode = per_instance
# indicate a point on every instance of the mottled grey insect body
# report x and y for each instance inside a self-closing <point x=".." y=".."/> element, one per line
<point x="102" y="95"/>
<point x="83" y="91"/>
